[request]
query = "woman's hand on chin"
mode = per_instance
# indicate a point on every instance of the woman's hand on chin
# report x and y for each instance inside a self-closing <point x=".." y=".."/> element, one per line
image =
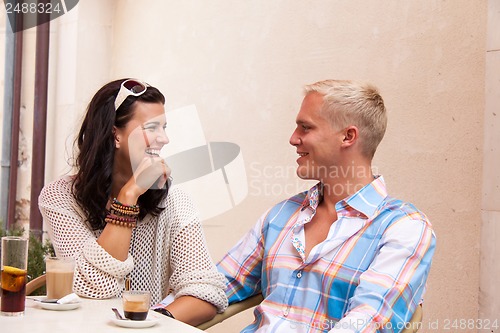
<point x="151" y="173"/>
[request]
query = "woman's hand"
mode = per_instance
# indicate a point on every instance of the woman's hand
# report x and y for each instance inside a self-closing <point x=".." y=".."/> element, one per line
<point x="151" y="173"/>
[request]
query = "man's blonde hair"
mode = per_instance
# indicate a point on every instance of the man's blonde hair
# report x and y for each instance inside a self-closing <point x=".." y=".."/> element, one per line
<point x="347" y="103"/>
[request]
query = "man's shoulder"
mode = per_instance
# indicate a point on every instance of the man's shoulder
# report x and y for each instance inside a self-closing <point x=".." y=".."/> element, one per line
<point x="400" y="209"/>
<point x="286" y="208"/>
<point x="293" y="202"/>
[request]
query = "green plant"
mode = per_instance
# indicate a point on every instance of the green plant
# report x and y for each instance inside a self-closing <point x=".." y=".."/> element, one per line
<point x="11" y="232"/>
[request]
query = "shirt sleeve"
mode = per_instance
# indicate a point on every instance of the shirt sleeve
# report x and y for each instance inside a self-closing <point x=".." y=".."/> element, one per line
<point x="193" y="271"/>
<point x="242" y="265"/>
<point x="97" y="273"/>
<point x="393" y="286"/>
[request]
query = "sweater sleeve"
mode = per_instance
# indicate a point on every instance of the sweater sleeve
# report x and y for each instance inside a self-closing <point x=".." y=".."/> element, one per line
<point x="97" y="273"/>
<point x="193" y="271"/>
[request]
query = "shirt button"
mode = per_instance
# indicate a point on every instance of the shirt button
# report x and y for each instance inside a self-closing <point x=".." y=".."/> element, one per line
<point x="299" y="275"/>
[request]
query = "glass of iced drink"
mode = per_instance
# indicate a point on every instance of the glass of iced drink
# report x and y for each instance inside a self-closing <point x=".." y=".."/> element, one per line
<point x="14" y="268"/>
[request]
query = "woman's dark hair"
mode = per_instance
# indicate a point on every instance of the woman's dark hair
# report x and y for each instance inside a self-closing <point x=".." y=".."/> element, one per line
<point x="96" y="150"/>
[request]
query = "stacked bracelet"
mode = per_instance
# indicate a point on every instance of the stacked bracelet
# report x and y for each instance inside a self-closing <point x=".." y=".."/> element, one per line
<point x="123" y="215"/>
<point x="122" y="218"/>
<point x="121" y="209"/>
<point x="121" y="221"/>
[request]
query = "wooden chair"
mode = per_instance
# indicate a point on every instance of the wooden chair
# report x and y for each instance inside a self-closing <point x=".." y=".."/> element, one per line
<point x="35" y="284"/>
<point x="411" y="327"/>
<point x="415" y="322"/>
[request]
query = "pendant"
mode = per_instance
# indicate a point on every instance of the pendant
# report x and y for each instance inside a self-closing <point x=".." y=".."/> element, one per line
<point x="128" y="283"/>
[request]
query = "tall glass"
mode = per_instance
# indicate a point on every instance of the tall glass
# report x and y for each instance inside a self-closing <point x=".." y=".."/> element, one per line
<point x="59" y="272"/>
<point x="14" y="266"/>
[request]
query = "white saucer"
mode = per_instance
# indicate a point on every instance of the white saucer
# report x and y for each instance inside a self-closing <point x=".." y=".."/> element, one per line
<point x="148" y="322"/>
<point x="59" y="307"/>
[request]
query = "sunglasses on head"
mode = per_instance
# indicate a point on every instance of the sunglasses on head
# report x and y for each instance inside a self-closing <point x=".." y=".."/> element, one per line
<point x="128" y="88"/>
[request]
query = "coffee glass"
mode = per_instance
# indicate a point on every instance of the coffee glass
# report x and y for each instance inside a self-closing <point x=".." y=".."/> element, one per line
<point x="59" y="273"/>
<point x="136" y="304"/>
<point x="14" y="268"/>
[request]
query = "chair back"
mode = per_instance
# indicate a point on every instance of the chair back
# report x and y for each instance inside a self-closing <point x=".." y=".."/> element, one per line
<point x="35" y="284"/>
<point x="231" y="310"/>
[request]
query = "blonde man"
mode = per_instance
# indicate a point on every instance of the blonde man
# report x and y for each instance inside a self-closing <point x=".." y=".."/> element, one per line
<point x="343" y="256"/>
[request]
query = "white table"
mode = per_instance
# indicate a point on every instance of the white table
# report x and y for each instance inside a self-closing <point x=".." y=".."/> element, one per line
<point x="92" y="316"/>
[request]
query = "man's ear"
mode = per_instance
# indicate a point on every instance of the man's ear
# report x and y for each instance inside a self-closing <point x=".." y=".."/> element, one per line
<point x="351" y="135"/>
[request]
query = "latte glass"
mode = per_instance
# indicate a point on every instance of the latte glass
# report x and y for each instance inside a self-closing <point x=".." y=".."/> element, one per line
<point x="59" y="273"/>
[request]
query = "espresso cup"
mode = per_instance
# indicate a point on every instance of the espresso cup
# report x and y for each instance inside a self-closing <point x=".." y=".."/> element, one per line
<point x="59" y="273"/>
<point x="136" y="304"/>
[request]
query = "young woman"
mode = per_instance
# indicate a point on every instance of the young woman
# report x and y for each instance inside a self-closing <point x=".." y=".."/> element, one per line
<point x="117" y="216"/>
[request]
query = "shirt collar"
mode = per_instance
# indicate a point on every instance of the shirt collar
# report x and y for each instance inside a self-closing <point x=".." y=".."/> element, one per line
<point x="369" y="198"/>
<point x="366" y="200"/>
<point x="314" y="196"/>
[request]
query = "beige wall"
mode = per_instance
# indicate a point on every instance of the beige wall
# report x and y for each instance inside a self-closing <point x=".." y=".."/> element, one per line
<point x="243" y="65"/>
<point x="489" y="296"/>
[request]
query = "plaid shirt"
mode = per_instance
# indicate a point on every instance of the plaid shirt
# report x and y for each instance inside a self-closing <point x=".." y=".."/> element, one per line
<point x="368" y="275"/>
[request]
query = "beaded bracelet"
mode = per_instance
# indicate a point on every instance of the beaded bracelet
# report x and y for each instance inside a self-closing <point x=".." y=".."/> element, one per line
<point x="122" y="218"/>
<point x="127" y="209"/>
<point x="123" y="209"/>
<point x="128" y="224"/>
<point x="124" y="206"/>
<point x="122" y="213"/>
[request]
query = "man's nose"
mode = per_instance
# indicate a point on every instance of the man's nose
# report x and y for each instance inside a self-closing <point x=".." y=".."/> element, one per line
<point x="294" y="139"/>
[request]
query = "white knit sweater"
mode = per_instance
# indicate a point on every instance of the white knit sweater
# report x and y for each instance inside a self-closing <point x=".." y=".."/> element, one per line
<point x="169" y="253"/>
